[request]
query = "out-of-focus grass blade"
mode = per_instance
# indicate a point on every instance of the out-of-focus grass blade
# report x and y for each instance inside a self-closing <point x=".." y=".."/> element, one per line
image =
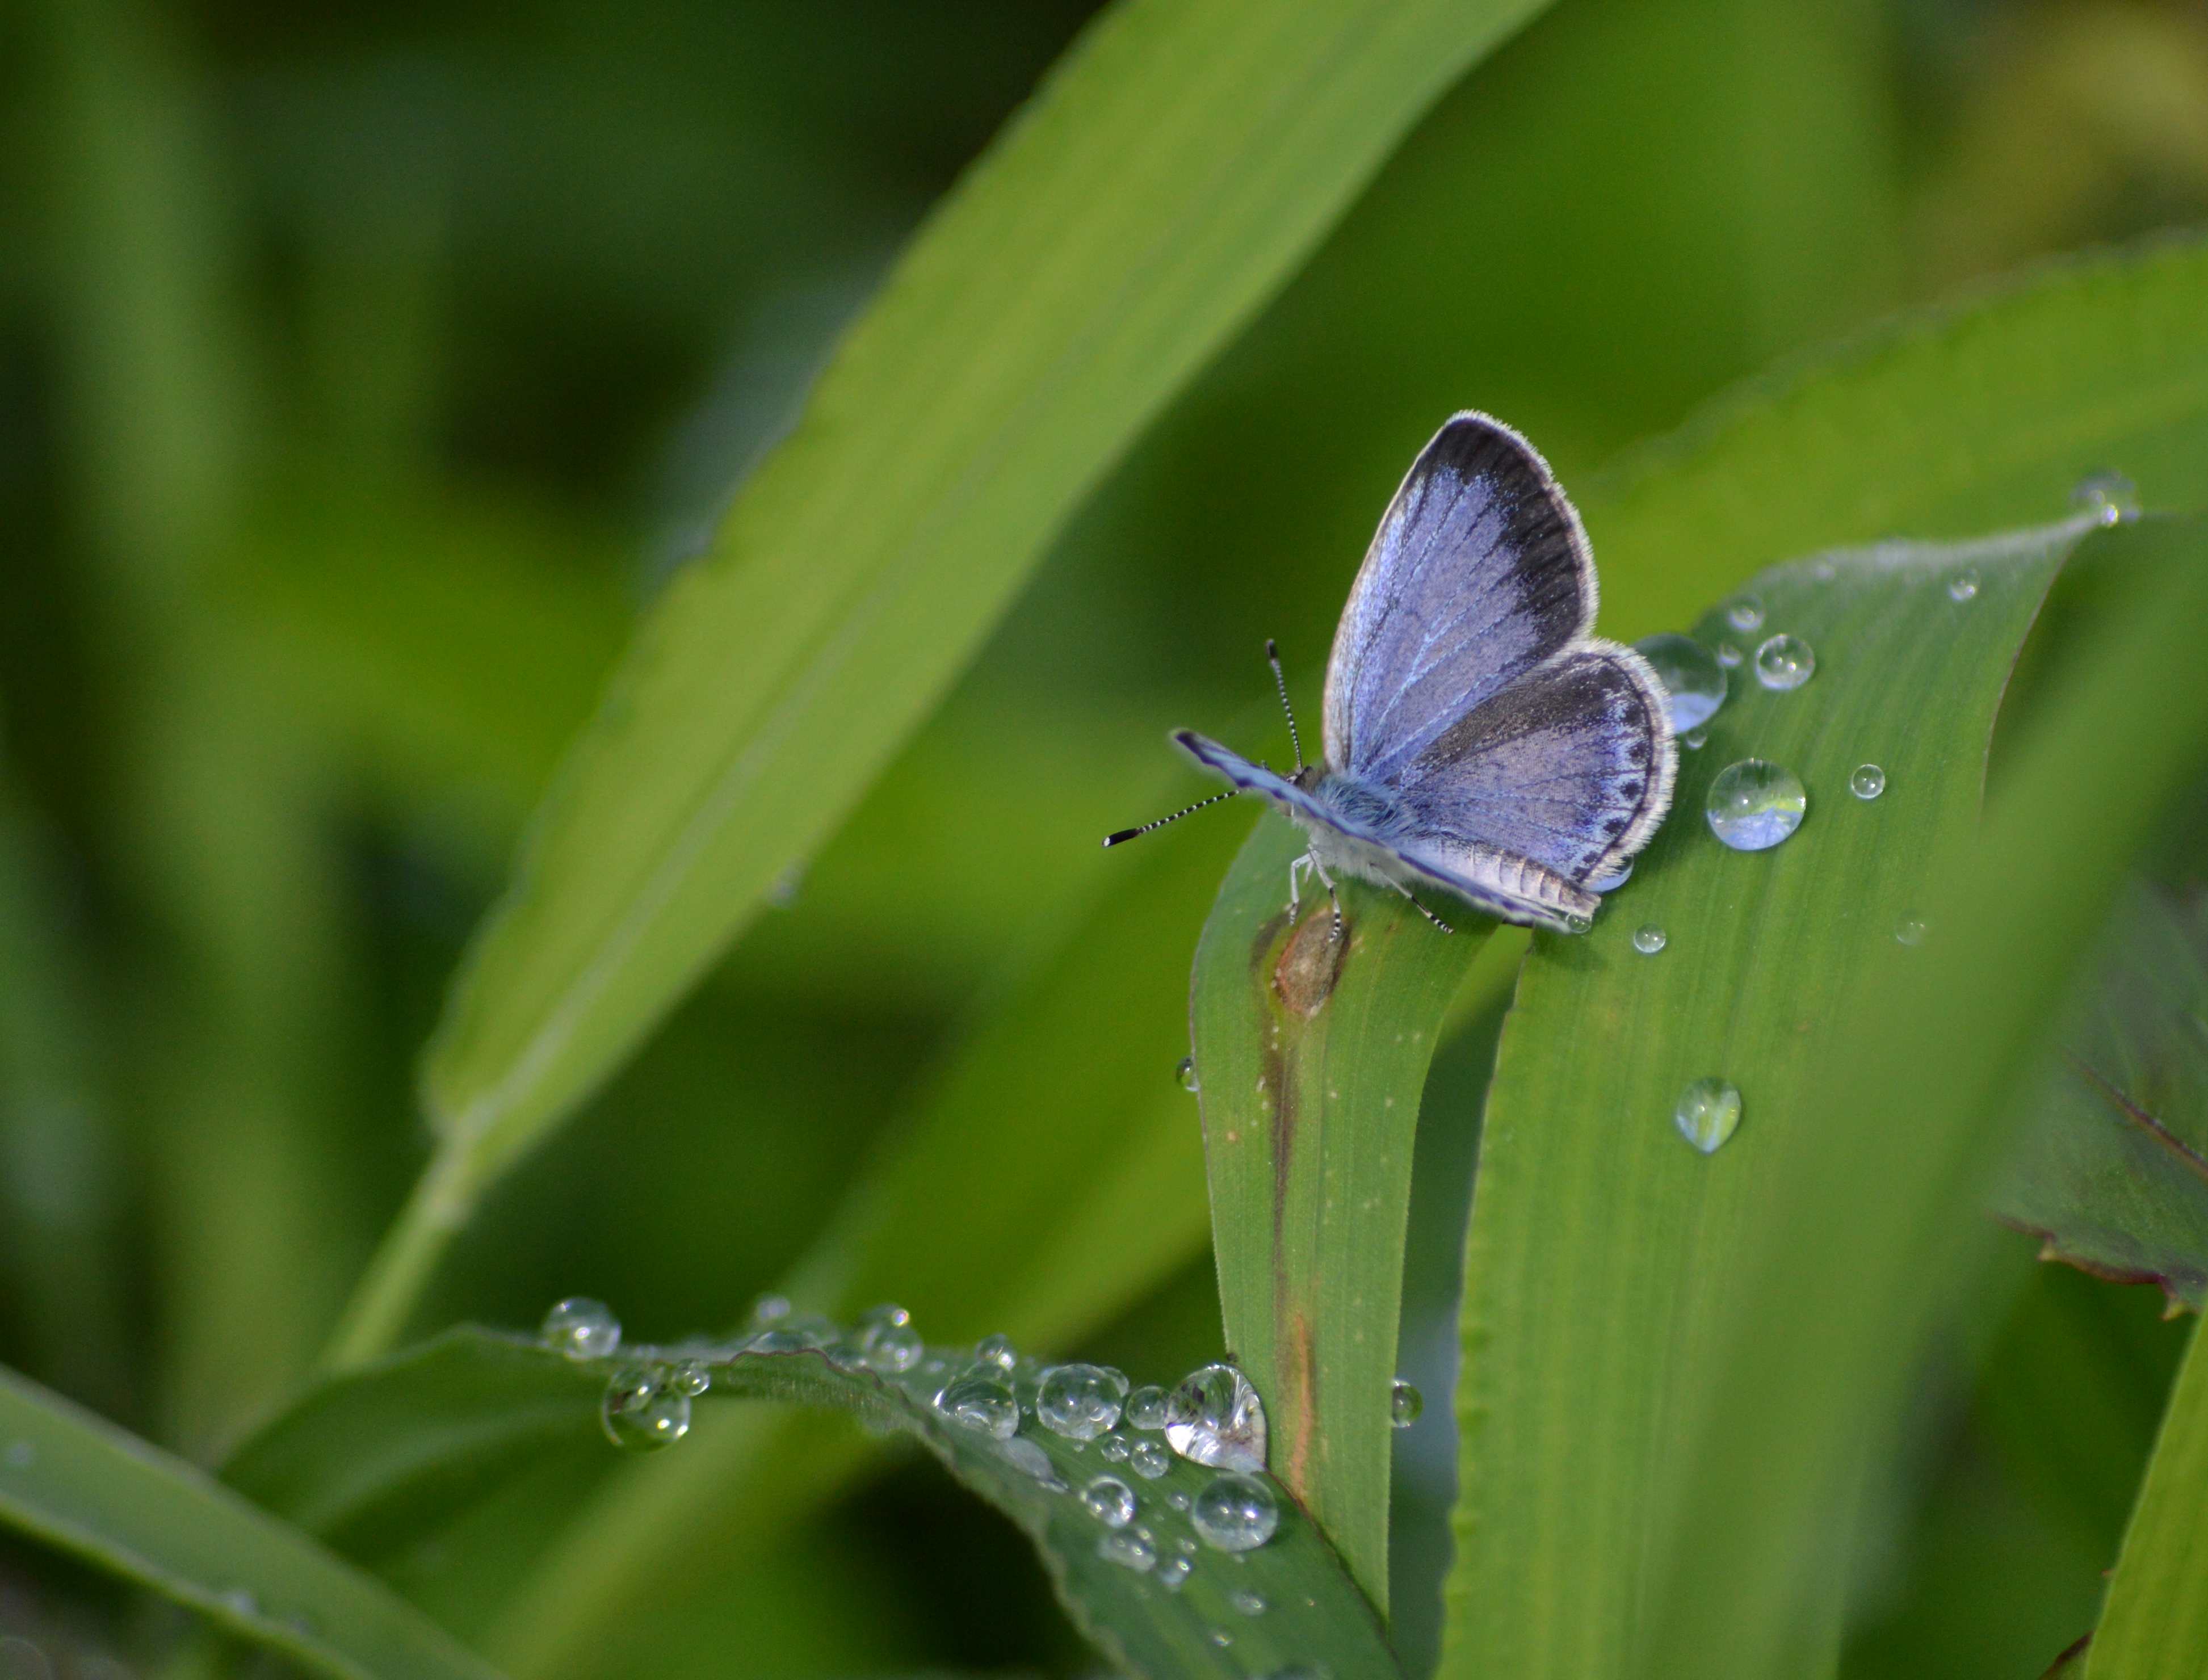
<point x="77" y="1483"/>
<point x="2114" y="1173"/>
<point x="1868" y="1200"/>
<point x="1602" y="1244"/>
<point x="1163" y="183"/>
<point x="2156" y="1624"/>
<point x="1311" y="1053"/>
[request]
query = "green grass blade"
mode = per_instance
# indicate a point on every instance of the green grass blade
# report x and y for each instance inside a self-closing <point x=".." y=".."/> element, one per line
<point x="78" y="1484"/>
<point x="1601" y="1246"/>
<point x="1084" y="1150"/>
<point x="1870" y="1208"/>
<point x="1311" y="1054"/>
<point x="2155" y="1624"/>
<point x="376" y="1453"/>
<point x="1163" y="184"/>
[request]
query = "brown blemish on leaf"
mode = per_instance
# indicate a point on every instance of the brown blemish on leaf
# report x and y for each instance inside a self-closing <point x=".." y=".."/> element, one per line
<point x="1310" y="964"/>
<point x="1299" y="1372"/>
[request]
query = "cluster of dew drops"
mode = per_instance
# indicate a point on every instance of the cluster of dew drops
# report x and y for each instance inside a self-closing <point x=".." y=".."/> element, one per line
<point x="1213" y="1418"/>
<point x="1754" y="805"/>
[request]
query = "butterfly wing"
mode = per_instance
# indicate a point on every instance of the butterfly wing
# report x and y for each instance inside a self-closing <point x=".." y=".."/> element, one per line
<point x="1479" y="572"/>
<point x="1256" y="778"/>
<point x="1570" y="765"/>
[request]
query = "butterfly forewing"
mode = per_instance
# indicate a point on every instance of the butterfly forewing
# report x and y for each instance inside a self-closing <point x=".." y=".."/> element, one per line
<point x="1478" y="573"/>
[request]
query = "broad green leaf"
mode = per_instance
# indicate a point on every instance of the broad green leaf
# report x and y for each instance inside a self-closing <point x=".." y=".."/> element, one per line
<point x="1867" y="1215"/>
<point x="1164" y="184"/>
<point x="1940" y="424"/>
<point x="472" y="1398"/>
<point x="2114" y="1173"/>
<point x="2155" y="1626"/>
<point x="1601" y="1247"/>
<point x="1311" y="1053"/>
<point x="75" y="1482"/>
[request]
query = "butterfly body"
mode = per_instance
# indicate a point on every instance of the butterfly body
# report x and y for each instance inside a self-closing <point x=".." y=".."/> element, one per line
<point x="1479" y="737"/>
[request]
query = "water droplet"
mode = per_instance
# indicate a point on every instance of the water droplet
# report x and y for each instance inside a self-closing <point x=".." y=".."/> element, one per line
<point x="1080" y="1400"/>
<point x="1577" y="924"/>
<point x="1755" y="804"/>
<point x="1648" y="938"/>
<point x="1185" y="1070"/>
<point x="1219" y="1637"/>
<point x="1867" y="782"/>
<point x="1728" y="655"/>
<point x="1177" y="1500"/>
<point x="1110" y="1500"/>
<point x="2110" y="496"/>
<point x="769" y="1308"/>
<point x="1236" y="1512"/>
<point x="1114" y="1448"/>
<point x="1173" y="1572"/>
<point x="1130" y="1551"/>
<point x="1404" y="1402"/>
<point x="642" y="1410"/>
<point x="1215" y="1418"/>
<point x="1027" y="1456"/>
<point x="21" y="1455"/>
<point x="997" y="1350"/>
<point x="1146" y="1407"/>
<point x="796" y="1332"/>
<point x="582" y="1328"/>
<point x="240" y="1601"/>
<point x="1708" y="1112"/>
<point x="1611" y="882"/>
<point x="1912" y="931"/>
<point x="885" y="1340"/>
<point x="1693" y="740"/>
<point x="981" y="1400"/>
<point x="1963" y="586"/>
<point x="690" y="1376"/>
<point x="1149" y="1460"/>
<point x="1784" y="661"/>
<point x="1249" y="1602"/>
<point x="1690" y="675"/>
<point x="1745" y="613"/>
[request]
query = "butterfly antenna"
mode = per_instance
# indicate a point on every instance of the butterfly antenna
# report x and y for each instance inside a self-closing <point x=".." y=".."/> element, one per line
<point x="1127" y="834"/>
<point x="1280" y="683"/>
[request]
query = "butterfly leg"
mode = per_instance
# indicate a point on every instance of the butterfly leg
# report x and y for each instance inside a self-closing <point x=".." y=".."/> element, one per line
<point x="1332" y="897"/>
<point x="1425" y="912"/>
<point x="1296" y="868"/>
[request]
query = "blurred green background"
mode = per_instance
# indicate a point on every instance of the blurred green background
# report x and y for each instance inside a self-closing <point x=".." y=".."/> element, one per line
<point x="364" y="369"/>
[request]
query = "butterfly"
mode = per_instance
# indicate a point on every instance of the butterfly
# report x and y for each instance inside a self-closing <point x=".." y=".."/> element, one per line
<point x="1479" y="737"/>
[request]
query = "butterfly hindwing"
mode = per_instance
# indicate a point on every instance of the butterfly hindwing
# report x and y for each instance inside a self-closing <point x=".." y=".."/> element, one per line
<point x="1570" y="765"/>
<point x="1479" y="572"/>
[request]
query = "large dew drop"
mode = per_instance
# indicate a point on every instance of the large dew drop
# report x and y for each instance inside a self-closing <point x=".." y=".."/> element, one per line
<point x="1405" y="1403"/>
<point x="1146" y="1407"/>
<point x="981" y="1400"/>
<point x="1215" y="1418"/>
<point x="642" y="1410"/>
<point x="1708" y="1112"/>
<point x="1784" y="661"/>
<point x="1080" y="1401"/>
<point x="582" y="1328"/>
<point x="1755" y="804"/>
<point x="1236" y="1512"/>
<point x="1690" y="675"/>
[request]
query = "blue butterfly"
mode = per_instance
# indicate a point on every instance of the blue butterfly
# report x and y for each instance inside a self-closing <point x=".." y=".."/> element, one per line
<point x="1479" y="739"/>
